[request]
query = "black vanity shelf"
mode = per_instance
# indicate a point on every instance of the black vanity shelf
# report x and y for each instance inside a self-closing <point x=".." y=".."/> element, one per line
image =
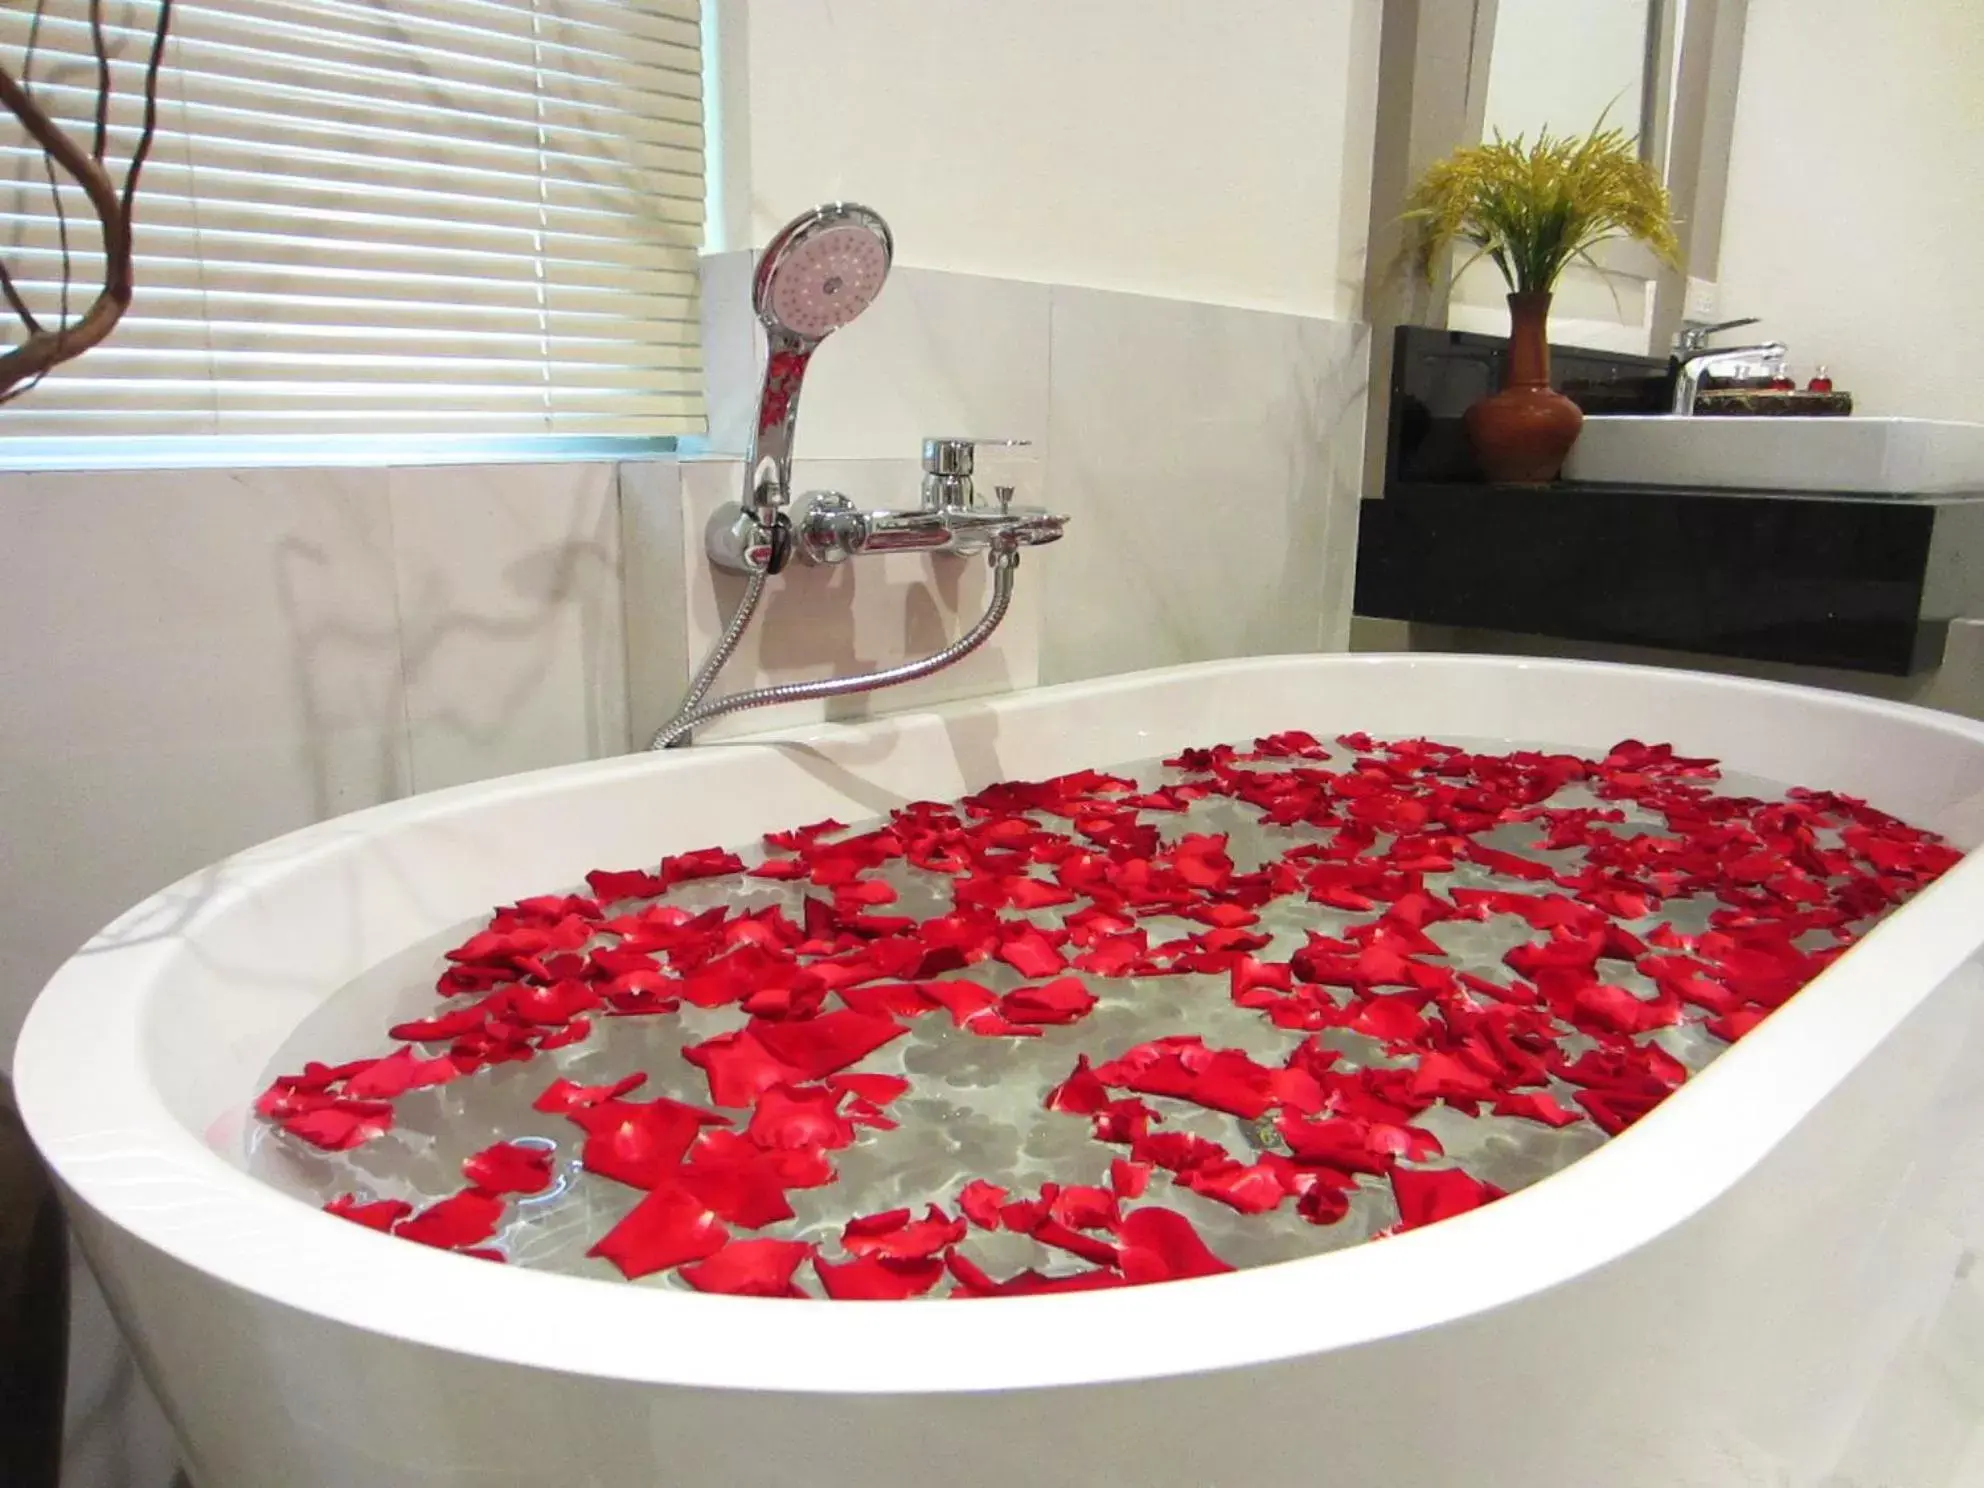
<point x="1864" y="583"/>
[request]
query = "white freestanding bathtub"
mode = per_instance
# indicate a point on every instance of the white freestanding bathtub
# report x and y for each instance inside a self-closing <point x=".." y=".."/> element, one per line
<point x="1738" y="1290"/>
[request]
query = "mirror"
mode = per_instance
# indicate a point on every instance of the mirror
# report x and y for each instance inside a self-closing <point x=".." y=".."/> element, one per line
<point x="1563" y="64"/>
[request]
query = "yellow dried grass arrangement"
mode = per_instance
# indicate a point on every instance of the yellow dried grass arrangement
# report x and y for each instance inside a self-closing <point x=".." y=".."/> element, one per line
<point x="1533" y="208"/>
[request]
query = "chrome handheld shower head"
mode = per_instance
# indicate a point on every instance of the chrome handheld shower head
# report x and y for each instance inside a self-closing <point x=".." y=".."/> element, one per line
<point x="820" y="271"/>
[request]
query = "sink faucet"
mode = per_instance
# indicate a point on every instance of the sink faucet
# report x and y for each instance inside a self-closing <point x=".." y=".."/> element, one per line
<point x="1698" y="360"/>
<point x="950" y="519"/>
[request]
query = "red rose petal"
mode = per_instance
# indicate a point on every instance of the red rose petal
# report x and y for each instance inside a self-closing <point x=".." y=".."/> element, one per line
<point x="981" y="1202"/>
<point x="638" y="1143"/>
<point x="750" y="1194"/>
<point x="876" y="1089"/>
<point x="800" y="1118"/>
<point x="667" y="1228"/>
<point x="896" y="1236"/>
<point x="823" y="1045"/>
<point x="460" y="1219"/>
<point x="1030" y="953"/>
<point x="750" y="1268"/>
<point x="1160" y="1244"/>
<point x="875" y="1279"/>
<point x="1083" y="1207"/>
<point x="1128" y="1180"/>
<point x="1428" y="1194"/>
<point x="1536" y="1106"/>
<point x="509" y="1168"/>
<point x="1063" y="1000"/>
<point x="341" y="1126"/>
<point x="738" y="1067"/>
<point x="562" y="1096"/>
<point x="440" y="1027"/>
<point x="379" y="1214"/>
<point x="396" y="1074"/>
<point x="1054" y="1232"/>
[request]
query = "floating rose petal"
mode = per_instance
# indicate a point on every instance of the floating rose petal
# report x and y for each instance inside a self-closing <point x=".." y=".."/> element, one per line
<point x="1063" y="1000"/>
<point x="1030" y="953"/>
<point x="668" y="1227"/>
<point x="379" y="1214"/>
<point x="1428" y="1194"/>
<point x="396" y="1074"/>
<point x="341" y="1126"/>
<point x="801" y="1118"/>
<point x="508" y="1168"/>
<point x="1536" y="1105"/>
<point x="639" y="1143"/>
<point x="738" y="1067"/>
<point x="875" y="1279"/>
<point x="981" y="1202"/>
<point x="1160" y="1244"/>
<point x="895" y="1236"/>
<point x="440" y="1027"/>
<point x="562" y="1096"/>
<point x="751" y="1268"/>
<point x="1128" y="1180"/>
<point x="823" y="1045"/>
<point x="461" y="1219"/>
<point x="750" y="1194"/>
<point x="1086" y="1208"/>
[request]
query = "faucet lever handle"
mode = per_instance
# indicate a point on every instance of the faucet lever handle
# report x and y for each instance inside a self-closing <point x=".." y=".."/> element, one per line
<point x="1692" y="338"/>
<point x="952" y="454"/>
<point x="947" y="467"/>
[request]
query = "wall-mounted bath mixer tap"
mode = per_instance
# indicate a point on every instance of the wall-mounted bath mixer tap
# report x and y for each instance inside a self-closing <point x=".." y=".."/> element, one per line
<point x="951" y="519"/>
<point x="821" y="270"/>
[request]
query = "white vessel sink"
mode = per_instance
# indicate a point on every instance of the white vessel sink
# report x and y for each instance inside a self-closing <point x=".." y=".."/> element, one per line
<point x="1885" y="456"/>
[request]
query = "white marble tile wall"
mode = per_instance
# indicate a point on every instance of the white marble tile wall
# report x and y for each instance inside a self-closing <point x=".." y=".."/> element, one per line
<point x="1210" y="458"/>
<point x="198" y="660"/>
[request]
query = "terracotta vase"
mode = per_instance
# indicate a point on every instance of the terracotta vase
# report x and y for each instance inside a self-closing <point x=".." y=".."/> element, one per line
<point x="1522" y="434"/>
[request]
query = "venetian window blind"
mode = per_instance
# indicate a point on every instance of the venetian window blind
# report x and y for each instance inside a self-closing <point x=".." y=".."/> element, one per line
<point x="377" y="216"/>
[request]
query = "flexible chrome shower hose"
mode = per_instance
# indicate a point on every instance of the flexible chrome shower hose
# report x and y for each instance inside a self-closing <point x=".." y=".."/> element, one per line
<point x="677" y="728"/>
<point x="1003" y="565"/>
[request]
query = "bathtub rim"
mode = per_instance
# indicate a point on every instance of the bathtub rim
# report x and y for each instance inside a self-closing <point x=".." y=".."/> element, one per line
<point x="1593" y="1212"/>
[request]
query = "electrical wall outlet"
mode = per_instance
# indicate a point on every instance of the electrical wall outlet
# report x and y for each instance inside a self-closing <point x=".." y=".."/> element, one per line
<point x="1703" y="303"/>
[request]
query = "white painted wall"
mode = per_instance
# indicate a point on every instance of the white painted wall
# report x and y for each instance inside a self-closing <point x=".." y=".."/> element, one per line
<point x="1856" y="197"/>
<point x="1165" y="147"/>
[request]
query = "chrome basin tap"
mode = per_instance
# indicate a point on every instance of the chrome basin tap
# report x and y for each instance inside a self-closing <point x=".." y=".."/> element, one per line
<point x="951" y="518"/>
<point x="1698" y="360"/>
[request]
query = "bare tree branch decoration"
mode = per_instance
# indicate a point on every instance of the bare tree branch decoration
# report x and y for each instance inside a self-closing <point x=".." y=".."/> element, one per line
<point x="42" y="347"/>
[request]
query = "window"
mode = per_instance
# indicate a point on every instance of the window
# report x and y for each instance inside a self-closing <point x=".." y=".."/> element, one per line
<point x="377" y="217"/>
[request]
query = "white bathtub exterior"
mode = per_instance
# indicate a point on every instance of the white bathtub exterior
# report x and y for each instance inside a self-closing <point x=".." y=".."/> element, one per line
<point x="1739" y="1290"/>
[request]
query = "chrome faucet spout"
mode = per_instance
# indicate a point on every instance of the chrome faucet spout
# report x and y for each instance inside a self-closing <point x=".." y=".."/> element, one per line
<point x="829" y="528"/>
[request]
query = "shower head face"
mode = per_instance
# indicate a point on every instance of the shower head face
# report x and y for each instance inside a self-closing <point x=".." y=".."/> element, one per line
<point x="822" y="270"/>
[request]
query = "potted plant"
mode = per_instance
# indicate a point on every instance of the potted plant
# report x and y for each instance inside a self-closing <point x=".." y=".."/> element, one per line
<point x="1532" y="209"/>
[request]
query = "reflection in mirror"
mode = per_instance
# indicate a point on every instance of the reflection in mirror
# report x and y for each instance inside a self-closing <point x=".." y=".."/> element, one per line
<point x="1561" y="64"/>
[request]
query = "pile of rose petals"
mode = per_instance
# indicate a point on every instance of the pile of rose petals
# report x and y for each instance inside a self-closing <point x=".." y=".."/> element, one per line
<point x="1062" y="881"/>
